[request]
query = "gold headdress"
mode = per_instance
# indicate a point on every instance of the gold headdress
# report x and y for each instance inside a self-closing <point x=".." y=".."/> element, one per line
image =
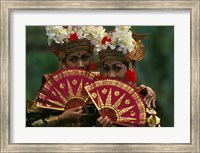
<point x="121" y="44"/>
<point x="67" y="39"/>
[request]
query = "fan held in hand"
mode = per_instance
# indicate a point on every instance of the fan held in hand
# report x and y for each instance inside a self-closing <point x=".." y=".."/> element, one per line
<point x="65" y="89"/>
<point x="119" y="101"/>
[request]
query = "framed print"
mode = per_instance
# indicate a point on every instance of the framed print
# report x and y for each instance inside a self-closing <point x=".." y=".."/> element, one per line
<point x="174" y="22"/>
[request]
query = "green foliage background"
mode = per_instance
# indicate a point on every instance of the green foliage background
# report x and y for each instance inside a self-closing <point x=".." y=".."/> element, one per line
<point x="155" y="70"/>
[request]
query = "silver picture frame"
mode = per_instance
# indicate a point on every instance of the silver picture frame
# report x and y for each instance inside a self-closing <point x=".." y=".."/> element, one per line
<point x="192" y="6"/>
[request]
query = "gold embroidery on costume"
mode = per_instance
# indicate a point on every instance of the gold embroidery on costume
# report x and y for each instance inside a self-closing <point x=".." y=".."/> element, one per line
<point x="37" y="123"/>
<point x="153" y="120"/>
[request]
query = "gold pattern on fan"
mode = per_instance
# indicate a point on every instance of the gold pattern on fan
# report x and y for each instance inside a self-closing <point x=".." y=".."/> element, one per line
<point x="80" y="87"/>
<point x="127" y="101"/>
<point x="78" y="93"/>
<point x="125" y="119"/>
<point x="132" y="113"/>
<point x="116" y="93"/>
<point x="74" y="82"/>
<point x="119" y="112"/>
<point x="108" y="99"/>
<point x="118" y="102"/>
<point x="94" y="95"/>
<point x="100" y="104"/>
<point x="61" y="95"/>
<point x="124" y="110"/>
<point x="47" y="86"/>
<point x="53" y="93"/>
<point x="55" y="102"/>
<point x="71" y="93"/>
<point x="39" y="104"/>
<point x="56" y="78"/>
<point x="62" y="85"/>
<point x="42" y="96"/>
<point x="104" y="91"/>
<point x="135" y="96"/>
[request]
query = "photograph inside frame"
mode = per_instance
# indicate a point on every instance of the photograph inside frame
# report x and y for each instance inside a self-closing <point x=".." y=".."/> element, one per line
<point x="99" y="76"/>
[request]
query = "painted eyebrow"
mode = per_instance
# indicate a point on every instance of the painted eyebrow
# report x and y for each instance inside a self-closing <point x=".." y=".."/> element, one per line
<point x="72" y="56"/>
<point x="86" y="54"/>
<point x="113" y="64"/>
<point x="120" y="64"/>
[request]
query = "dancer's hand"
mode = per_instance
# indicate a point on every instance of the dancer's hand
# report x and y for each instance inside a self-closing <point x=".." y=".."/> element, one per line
<point x="150" y="98"/>
<point x="70" y="114"/>
<point x="104" y="121"/>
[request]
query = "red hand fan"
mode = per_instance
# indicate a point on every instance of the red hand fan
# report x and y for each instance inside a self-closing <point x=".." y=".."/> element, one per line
<point x="119" y="101"/>
<point x="65" y="89"/>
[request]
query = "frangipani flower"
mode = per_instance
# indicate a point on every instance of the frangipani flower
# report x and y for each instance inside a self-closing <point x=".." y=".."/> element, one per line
<point x="61" y="34"/>
<point x="120" y="39"/>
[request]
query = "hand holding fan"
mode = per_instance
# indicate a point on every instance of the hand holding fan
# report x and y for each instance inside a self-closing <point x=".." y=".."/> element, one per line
<point x="65" y="89"/>
<point x="119" y="101"/>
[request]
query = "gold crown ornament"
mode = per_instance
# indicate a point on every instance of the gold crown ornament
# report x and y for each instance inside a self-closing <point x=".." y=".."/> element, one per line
<point x="64" y="40"/>
<point x="123" y="45"/>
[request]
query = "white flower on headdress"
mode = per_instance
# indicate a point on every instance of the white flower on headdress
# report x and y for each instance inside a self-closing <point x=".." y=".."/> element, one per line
<point x="120" y="40"/>
<point x="122" y="28"/>
<point x="94" y="34"/>
<point x="103" y="43"/>
<point x="61" y="34"/>
<point x="55" y="33"/>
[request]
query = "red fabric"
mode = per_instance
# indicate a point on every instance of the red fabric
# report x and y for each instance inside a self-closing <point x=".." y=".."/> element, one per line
<point x="131" y="76"/>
